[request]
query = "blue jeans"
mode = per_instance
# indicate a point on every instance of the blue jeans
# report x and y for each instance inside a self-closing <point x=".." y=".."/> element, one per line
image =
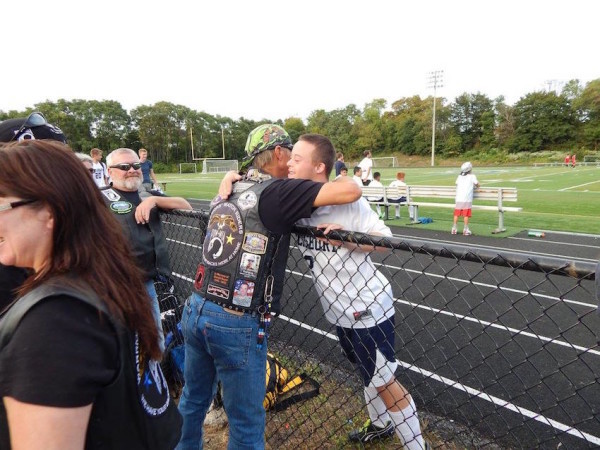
<point x="156" y="313"/>
<point x="221" y="346"/>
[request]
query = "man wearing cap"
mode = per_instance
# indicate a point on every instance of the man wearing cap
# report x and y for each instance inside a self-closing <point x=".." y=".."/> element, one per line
<point x="226" y="333"/>
<point x="34" y="126"/>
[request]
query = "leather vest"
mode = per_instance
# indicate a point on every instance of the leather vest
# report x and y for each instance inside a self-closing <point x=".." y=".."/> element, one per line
<point x="135" y="411"/>
<point x="241" y="258"/>
<point x="148" y="241"/>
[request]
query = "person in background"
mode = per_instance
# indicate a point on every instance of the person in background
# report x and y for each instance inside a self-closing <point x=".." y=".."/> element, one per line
<point x="87" y="161"/>
<point x="35" y="126"/>
<point x="343" y="172"/>
<point x="339" y="163"/>
<point x="79" y="358"/>
<point x="137" y="212"/>
<point x="466" y="183"/>
<point x="376" y="183"/>
<point x="357" y="299"/>
<point x="101" y="176"/>
<point x="367" y="168"/>
<point x="573" y="160"/>
<point x="399" y="182"/>
<point x="567" y="160"/>
<point x="149" y="178"/>
<point x="357" y="177"/>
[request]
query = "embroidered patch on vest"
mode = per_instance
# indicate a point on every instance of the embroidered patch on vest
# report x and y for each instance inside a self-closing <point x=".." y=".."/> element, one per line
<point x="121" y="207"/>
<point x="249" y="265"/>
<point x="152" y="385"/>
<point x="247" y="200"/>
<point x="255" y="243"/>
<point x="215" y="201"/>
<point x="223" y="235"/>
<point x="218" y="291"/>
<point x="242" y="295"/>
<point x="111" y="195"/>
<point x="221" y="278"/>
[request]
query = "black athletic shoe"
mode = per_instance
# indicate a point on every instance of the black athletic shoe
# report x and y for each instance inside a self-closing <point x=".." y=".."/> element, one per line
<point x="370" y="432"/>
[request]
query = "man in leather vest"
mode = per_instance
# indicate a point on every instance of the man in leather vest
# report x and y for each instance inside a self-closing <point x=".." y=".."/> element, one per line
<point x="239" y="283"/>
<point x="137" y="211"/>
<point x="34" y="126"/>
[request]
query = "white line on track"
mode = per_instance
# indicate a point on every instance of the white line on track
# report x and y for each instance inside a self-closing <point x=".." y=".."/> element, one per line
<point x="471" y="391"/>
<point x="467" y="246"/>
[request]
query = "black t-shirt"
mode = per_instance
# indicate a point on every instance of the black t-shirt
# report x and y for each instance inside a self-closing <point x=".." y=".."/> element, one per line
<point x="62" y="354"/>
<point x="11" y="278"/>
<point x="285" y="201"/>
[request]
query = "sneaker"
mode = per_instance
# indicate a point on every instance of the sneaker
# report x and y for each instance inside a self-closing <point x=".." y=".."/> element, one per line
<point x="397" y="217"/>
<point x="453" y="230"/>
<point x="370" y="432"/>
<point x="467" y="232"/>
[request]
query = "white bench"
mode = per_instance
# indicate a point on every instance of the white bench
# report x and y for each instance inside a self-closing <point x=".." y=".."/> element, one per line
<point x="496" y="194"/>
<point x="384" y="193"/>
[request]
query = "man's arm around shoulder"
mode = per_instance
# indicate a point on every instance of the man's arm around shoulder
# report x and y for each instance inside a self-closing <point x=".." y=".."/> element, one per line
<point x="339" y="192"/>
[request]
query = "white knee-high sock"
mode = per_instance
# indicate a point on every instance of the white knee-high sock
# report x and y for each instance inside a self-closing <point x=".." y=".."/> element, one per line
<point x="408" y="428"/>
<point x="378" y="412"/>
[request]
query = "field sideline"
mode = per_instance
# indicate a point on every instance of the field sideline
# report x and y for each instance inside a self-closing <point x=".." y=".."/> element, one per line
<point x="552" y="198"/>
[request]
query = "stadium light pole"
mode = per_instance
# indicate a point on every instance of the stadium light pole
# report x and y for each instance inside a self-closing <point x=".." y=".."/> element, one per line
<point x="435" y="79"/>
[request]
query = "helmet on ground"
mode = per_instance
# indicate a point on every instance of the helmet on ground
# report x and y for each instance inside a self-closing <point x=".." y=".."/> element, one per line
<point x="466" y="167"/>
<point x="35" y="126"/>
<point x="266" y="137"/>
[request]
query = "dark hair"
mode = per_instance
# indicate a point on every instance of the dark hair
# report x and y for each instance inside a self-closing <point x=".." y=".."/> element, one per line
<point x="357" y="169"/>
<point x="366" y="153"/>
<point x="87" y="239"/>
<point x="344" y="168"/>
<point x="324" y="151"/>
<point x="338" y="155"/>
<point x="376" y="175"/>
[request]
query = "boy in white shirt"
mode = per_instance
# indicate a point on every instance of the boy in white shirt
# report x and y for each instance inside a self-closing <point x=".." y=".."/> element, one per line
<point x="358" y="299"/>
<point x="367" y="168"/>
<point x="466" y="182"/>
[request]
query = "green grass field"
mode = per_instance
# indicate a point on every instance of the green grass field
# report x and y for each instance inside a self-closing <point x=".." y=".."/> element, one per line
<point x="552" y="198"/>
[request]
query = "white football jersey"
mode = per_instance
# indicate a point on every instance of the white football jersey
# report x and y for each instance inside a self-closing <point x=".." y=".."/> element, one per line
<point x="352" y="292"/>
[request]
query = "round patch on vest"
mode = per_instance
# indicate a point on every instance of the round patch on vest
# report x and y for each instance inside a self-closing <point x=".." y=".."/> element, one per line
<point x="247" y="200"/>
<point x="121" y="207"/>
<point x="152" y="385"/>
<point x="223" y="235"/>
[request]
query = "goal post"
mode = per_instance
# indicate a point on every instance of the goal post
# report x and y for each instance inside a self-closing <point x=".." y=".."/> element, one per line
<point x="219" y="165"/>
<point x="385" y="161"/>
<point x="188" y="168"/>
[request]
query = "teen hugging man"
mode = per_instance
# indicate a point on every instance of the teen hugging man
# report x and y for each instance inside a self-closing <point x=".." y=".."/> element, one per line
<point x="357" y="299"/>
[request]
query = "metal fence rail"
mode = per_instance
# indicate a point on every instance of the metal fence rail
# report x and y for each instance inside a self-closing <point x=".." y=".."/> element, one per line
<point x="497" y="349"/>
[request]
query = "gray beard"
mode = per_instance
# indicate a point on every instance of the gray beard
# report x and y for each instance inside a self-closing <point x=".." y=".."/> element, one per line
<point x="130" y="184"/>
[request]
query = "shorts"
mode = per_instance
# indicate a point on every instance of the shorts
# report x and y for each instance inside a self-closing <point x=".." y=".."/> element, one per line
<point x="361" y="345"/>
<point x="462" y="212"/>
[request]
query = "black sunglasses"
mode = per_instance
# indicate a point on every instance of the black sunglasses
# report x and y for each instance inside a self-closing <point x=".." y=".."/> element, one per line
<point x="126" y="166"/>
<point x="35" y="119"/>
<point x="13" y="205"/>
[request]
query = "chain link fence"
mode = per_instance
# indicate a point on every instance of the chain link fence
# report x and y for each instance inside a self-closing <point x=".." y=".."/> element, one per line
<point x="498" y="349"/>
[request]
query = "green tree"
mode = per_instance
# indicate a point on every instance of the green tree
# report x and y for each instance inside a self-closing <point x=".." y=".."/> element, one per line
<point x="473" y="118"/>
<point x="587" y="105"/>
<point x="543" y="120"/>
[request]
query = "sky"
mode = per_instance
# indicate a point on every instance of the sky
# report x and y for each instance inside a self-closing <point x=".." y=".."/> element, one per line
<point x="268" y="59"/>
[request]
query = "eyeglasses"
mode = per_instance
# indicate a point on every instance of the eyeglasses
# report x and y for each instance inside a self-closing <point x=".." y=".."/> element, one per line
<point x="127" y="166"/>
<point x="13" y="205"/>
<point x="35" y="119"/>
